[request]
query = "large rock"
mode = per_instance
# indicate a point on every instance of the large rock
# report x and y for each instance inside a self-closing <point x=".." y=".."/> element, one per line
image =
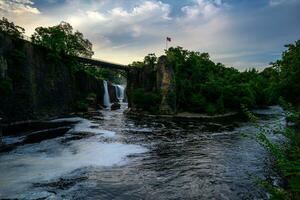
<point x="115" y="106"/>
<point x="112" y="93"/>
<point x="41" y="135"/>
<point x="165" y="83"/>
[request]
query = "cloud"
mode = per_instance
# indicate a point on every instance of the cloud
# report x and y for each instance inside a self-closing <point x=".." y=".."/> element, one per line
<point x="280" y="2"/>
<point x="123" y="31"/>
<point x="18" y="6"/>
<point x="202" y="8"/>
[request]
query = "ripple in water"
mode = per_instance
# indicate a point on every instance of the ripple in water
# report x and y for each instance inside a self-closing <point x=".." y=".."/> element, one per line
<point x="129" y="158"/>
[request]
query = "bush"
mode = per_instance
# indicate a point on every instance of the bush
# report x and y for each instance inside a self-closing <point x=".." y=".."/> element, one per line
<point x="81" y="105"/>
<point x="148" y="101"/>
<point x="210" y="109"/>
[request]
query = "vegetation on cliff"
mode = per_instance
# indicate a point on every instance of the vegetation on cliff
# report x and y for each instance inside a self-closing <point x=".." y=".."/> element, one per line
<point x="11" y="29"/>
<point x="63" y="43"/>
<point x="62" y="40"/>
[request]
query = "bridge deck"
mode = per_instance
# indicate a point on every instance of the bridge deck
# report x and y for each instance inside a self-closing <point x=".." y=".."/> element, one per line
<point x="102" y="63"/>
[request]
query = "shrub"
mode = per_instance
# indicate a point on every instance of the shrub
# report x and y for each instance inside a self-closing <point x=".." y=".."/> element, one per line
<point x="81" y="105"/>
<point x="210" y="109"/>
<point x="148" y="101"/>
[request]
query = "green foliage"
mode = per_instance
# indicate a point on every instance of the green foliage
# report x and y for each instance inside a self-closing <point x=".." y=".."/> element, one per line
<point x="81" y="105"/>
<point x="292" y="112"/>
<point x="211" y="109"/>
<point x="150" y="59"/>
<point x="11" y="29"/>
<point x="5" y="87"/>
<point x="85" y="101"/>
<point x="62" y="40"/>
<point x="148" y="101"/>
<point x="203" y="86"/>
<point x="98" y="72"/>
<point x="287" y="163"/>
<point x="288" y="68"/>
<point x="286" y="159"/>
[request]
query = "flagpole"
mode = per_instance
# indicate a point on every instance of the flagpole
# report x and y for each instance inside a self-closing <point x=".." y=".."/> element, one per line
<point x="166" y="44"/>
<point x="167" y="40"/>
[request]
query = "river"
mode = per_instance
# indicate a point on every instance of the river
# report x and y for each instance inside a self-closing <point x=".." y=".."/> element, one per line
<point x="118" y="157"/>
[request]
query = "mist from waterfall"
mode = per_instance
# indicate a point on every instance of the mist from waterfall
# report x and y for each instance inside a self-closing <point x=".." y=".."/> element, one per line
<point x="106" y="99"/>
<point x="120" y="92"/>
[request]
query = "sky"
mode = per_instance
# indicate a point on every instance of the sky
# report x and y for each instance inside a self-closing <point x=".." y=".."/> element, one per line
<point x="238" y="33"/>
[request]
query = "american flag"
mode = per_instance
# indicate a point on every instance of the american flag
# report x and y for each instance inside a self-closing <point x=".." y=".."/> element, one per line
<point x="168" y="39"/>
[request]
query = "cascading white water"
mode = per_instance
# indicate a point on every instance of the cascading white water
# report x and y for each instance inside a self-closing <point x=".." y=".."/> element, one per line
<point x="106" y="99"/>
<point x="120" y="92"/>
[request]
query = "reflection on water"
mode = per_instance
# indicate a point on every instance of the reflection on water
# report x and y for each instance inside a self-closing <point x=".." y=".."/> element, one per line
<point x="127" y="158"/>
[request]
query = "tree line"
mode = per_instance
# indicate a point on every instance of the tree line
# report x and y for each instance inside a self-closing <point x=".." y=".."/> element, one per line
<point x="204" y="86"/>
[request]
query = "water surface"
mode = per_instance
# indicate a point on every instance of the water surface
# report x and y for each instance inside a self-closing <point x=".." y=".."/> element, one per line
<point x="131" y="158"/>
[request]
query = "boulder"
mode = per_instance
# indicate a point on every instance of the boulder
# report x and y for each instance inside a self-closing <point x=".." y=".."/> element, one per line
<point x="115" y="106"/>
<point x="39" y="136"/>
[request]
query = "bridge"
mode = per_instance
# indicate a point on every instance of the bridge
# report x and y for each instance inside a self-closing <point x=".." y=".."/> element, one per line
<point x="102" y="64"/>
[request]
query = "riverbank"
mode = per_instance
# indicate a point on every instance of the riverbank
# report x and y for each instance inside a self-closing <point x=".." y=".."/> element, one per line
<point x="286" y="160"/>
<point x="183" y="115"/>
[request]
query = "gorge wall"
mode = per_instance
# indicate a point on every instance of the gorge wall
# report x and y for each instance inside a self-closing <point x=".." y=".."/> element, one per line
<point x="152" y="88"/>
<point x="35" y="85"/>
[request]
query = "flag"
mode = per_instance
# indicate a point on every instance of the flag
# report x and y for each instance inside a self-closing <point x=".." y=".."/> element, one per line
<point x="168" y="39"/>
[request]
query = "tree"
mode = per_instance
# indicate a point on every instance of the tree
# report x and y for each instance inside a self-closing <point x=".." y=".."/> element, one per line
<point x="11" y="29"/>
<point x="150" y="59"/>
<point x="62" y="40"/>
<point x="289" y="73"/>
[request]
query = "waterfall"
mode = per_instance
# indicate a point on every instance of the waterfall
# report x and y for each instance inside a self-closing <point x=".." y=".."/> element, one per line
<point x="106" y="100"/>
<point x="120" y="92"/>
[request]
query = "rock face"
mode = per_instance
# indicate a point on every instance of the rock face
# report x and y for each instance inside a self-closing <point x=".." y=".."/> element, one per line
<point x="165" y="83"/>
<point x="156" y="79"/>
<point x="112" y="93"/>
<point x="37" y="85"/>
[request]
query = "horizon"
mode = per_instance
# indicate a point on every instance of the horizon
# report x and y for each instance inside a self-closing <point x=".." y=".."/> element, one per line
<point x="239" y="34"/>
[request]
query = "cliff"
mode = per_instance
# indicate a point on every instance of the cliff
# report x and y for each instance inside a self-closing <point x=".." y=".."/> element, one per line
<point x="34" y="84"/>
<point x="152" y="88"/>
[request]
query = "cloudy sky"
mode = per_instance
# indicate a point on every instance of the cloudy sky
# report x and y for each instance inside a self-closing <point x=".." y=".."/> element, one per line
<point x="238" y="33"/>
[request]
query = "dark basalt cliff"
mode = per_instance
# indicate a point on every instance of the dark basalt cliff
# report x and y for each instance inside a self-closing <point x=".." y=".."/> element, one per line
<point x="35" y="85"/>
<point x="157" y="88"/>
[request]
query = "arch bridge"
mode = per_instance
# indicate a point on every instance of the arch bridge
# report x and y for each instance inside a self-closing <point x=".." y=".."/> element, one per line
<point x="122" y="69"/>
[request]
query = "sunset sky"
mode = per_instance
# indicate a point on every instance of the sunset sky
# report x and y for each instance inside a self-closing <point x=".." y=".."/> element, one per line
<point x="238" y="33"/>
